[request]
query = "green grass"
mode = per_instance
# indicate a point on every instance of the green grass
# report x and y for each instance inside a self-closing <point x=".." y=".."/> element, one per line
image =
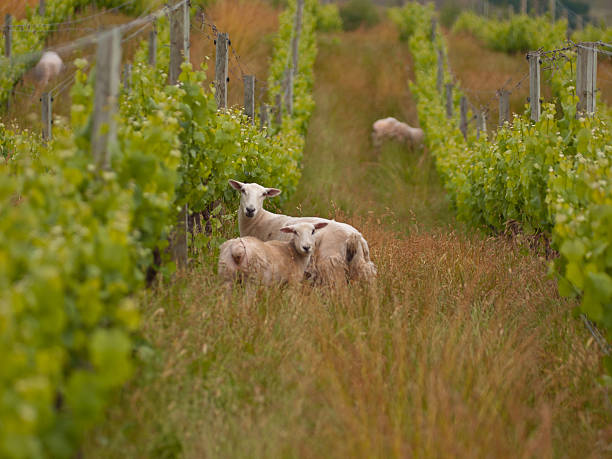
<point x="461" y="348"/>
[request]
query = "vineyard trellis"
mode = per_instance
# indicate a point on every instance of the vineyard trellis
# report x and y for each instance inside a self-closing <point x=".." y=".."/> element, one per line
<point x="546" y="171"/>
<point x="92" y="231"/>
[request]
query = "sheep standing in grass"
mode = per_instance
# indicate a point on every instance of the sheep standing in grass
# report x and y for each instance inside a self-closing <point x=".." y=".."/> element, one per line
<point x="390" y="128"/>
<point x="271" y="262"/>
<point x="340" y="253"/>
<point x="49" y="67"/>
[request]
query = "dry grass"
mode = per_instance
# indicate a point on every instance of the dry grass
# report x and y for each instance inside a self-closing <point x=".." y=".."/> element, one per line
<point x="251" y="26"/>
<point x="482" y="72"/>
<point x="16" y="8"/>
<point x="462" y="347"/>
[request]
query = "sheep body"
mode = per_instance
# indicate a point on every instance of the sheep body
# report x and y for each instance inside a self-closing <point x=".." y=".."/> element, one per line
<point x="49" y="66"/>
<point x="270" y="262"/>
<point x="333" y="260"/>
<point x="391" y="128"/>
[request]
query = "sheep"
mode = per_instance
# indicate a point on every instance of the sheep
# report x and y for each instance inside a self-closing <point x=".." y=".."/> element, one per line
<point x="271" y="262"/>
<point x="49" y="67"/>
<point x="340" y="252"/>
<point x="394" y="129"/>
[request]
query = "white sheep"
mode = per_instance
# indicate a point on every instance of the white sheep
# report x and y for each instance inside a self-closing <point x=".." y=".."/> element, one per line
<point x="390" y="128"/>
<point x="271" y="262"/>
<point x="341" y="251"/>
<point x="49" y="66"/>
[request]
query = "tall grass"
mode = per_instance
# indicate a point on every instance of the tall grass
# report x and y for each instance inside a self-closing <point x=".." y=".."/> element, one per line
<point x="461" y="348"/>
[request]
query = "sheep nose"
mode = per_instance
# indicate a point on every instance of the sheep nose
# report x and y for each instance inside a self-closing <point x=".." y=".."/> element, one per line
<point x="306" y="248"/>
<point x="250" y="211"/>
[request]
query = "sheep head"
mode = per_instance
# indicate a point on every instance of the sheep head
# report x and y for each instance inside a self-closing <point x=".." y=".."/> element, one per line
<point x="303" y="235"/>
<point x="252" y="196"/>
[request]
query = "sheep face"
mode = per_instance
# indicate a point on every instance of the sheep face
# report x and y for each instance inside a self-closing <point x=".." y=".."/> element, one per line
<point x="252" y="196"/>
<point x="303" y="236"/>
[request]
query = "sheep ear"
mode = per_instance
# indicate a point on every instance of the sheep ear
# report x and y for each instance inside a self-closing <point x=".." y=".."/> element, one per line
<point x="272" y="192"/>
<point x="236" y="185"/>
<point x="288" y="229"/>
<point x="320" y="225"/>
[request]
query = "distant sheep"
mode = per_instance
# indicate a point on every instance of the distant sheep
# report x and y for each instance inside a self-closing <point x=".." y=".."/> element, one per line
<point x="272" y="262"/>
<point x="390" y="128"/>
<point x="49" y="67"/>
<point x="341" y="252"/>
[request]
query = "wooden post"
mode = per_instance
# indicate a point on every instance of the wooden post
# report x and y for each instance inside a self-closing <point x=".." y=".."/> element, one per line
<point x="41" y="7"/>
<point x="153" y="45"/>
<point x="108" y="60"/>
<point x="295" y="41"/>
<point x="179" y="41"/>
<point x="481" y="123"/>
<point x="263" y="117"/>
<point x="463" y="113"/>
<point x="179" y="53"/>
<point x="278" y="110"/>
<point x="504" y="106"/>
<point x="523" y="6"/>
<point x="534" y="84"/>
<point x="249" y="96"/>
<point x="221" y="71"/>
<point x="8" y="35"/>
<point x="586" y="78"/>
<point x="288" y="90"/>
<point x="449" y="100"/>
<point x="551" y="8"/>
<point x="440" y="76"/>
<point x="127" y="77"/>
<point x="46" y="118"/>
<point x="433" y="30"/>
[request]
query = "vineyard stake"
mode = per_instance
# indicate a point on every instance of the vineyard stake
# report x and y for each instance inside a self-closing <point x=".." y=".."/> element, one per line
<point x="153" y="45"/>
<point x="264" y="121"/>
<point x="278" y="110"/>
<point x="127" y="77"/>
<point x="179" y="53"/>
<point x="288" y="90"/>
<point x="179" y="41"/>
<point x="249" y="97"/>
<point x="463" y="114"/>
<point x="523" y="6"/>
<point x="296" y="35"/>
<point x="108" y="60"/>
<point x="481" y="123"/>
<point x="46" y="115"/>
<point x="221" y="70"/>
<point x="586" y="78"/>
<point x="440" y="75"/>
<point x="449" y="100"/>
<point x="41" y="8"/>
<point x="504" y="106"/>
<point x="534" y="84"/>
<point x="8" y="35"/>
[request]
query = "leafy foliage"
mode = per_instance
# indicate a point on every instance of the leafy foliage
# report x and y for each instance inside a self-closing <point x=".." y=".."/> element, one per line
<point x="553" y="176"/>
<point x="76" y="241"/>
<point x="28" y="43"/>
<point x="520" y="33"/>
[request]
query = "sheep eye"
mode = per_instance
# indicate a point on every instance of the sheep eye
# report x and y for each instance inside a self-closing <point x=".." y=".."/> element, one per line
<point x="313" y="231"/>
<point x="242" y="191"/>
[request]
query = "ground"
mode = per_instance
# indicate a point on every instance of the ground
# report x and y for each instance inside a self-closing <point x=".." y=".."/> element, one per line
<point x="462" y="347"/>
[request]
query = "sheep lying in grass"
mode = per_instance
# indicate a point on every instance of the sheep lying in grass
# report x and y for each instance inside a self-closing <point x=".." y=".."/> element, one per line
<point x="341" y="252"/>
<point x="49" y="67"/>
<point x="271" y="262"/>
<point x="390" y="128"/>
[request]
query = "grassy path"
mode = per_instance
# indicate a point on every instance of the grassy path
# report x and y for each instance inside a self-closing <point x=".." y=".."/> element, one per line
<point x="462" y="348"/>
